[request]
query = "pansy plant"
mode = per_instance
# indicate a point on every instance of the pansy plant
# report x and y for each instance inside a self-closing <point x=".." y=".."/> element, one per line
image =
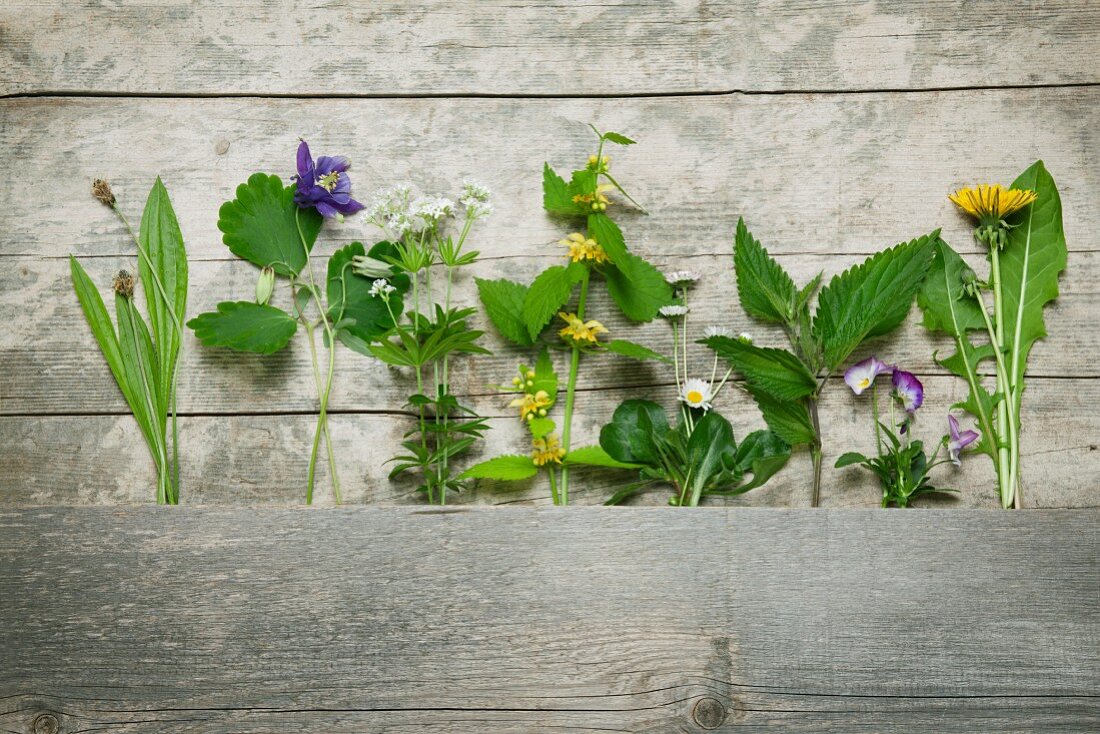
<point x="274" y="227"/>
<point x="998" y="320"/>
<point x="901" y="463"/>
<point x="522" y="314"/>
<point x="864" y="302"/>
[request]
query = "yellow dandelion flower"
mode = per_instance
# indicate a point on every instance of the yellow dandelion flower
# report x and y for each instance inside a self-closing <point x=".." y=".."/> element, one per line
<point x="990" y="204"/>
<point x="530" y="404"/>
<point x="546" y="450"/>
<point x="579" y="330"/>
<point x="584" y="248"/>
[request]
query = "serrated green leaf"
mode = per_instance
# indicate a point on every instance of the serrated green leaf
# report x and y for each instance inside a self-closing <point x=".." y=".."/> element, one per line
<point x="638" y="288"/>
<point x="765" y="290"/>
<point x="635" y="351"/>
<point x="618" y="139"/>
<point x="787" y="419"/>
<point x="608" y="235"/>
<point x="507" y="468"/>
<point x="261" y="225"/>
<point x="545" y="377"/>
<point x="870" y="299"/>
<point x="549" y="292"/>
<point x="503" y="302"/>
<point x="595" y="456"/>
<point x="775" y="371"/>
<point x="556" y="197"/>
<point x="848" y="459"/>
<point x="245" y="326"/>
<point x="348" y="294"/>
<point x="540" y="427"/>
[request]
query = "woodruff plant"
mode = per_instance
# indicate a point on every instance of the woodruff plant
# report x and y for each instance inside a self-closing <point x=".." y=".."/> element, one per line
<point x="144" y="357"/>
<point x="866" y="301"/>
<point x="275" y="228"/>
<point x="522" y="313"/>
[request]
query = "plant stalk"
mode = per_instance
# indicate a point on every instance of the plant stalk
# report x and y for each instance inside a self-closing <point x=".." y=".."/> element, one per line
<point x="570" y="393"/>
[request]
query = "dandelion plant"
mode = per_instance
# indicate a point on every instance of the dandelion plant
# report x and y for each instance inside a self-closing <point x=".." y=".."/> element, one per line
<point x="864" y="302"/>
<point x="1021" y="230"/>
<point x="143" y="356"/>
<point x="522" y="313"/>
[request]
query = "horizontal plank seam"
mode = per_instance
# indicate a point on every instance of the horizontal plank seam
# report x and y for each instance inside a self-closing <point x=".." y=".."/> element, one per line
<point x="87" y="94"/>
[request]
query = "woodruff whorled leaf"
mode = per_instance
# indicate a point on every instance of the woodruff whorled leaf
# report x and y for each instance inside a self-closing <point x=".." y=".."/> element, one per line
<point x="765" y="290"/>
<point x="503" y="302"/>
<point x="261" y="225"/>
<point x="546" y="296"/>
<point x="245" y="326"/>
<point x="776" y="371"/>
<point x="871" y="298"/>
<point x="349" y="296"/>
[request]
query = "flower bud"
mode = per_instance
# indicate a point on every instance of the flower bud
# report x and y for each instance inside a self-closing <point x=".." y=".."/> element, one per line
<point x="531" y="373"/>
<point x="530" y="383"/>
<point x="265" y="285"/>
<point x="369" y="267"/>
<point x="516" y="381"/>
<point x="124" y="284"/>
<point x="968" y="276"/>
<point x="744" y="337"/>
<point x="102" y="191"/>
<point x="542" y="412"/>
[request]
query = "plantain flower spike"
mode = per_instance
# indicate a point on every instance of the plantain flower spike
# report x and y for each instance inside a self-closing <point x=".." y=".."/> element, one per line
<point x="101" y="190"/>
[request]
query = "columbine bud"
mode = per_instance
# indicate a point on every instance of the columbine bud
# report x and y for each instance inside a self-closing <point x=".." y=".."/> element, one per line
<point x="265" y="285"/>
<point x="124" y="284"/>
<point x="102" y="191"/>
<point x="370" y="267"/>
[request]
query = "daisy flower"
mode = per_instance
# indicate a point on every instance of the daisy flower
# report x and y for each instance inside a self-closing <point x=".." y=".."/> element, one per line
<point x="696" y="394"/>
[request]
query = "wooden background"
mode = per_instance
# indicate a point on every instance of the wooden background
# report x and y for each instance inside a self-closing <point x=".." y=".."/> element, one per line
<point x="835" y="129"/>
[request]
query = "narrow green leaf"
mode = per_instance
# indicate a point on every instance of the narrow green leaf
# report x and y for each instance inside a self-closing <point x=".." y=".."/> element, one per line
<point x="139" y="363"/>
<point x="775" y="371"/>
<point x="103" y="329"/>
<point x="596" y="456"/>
<point x="608" y="235"/>
<point x="548" y="294"/>
<point x="764" y="288"/>
<point x="505" y="468"/>
<point x="635" y="351"/>
<point x="638" y="288"/>
<point x="261" y="225"/>
<point x="870" y="299"/>
<point x="788" y="420"/>
<point x="503" y="302"/>
<point x="546" y="378"/>
<point x="245" y="326"/>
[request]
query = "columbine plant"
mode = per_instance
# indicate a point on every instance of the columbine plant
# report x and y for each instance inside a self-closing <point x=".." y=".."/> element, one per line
<point x="420" y="230"/>
<point x="275" y="227"/>
<point x="900" y="463"/>
<point x="699" y="457"/>
<point x="522" y="313"/>
<point x="143" y="357"/>
<point x="1021" y="228"/>
<point x="866" y="301"/>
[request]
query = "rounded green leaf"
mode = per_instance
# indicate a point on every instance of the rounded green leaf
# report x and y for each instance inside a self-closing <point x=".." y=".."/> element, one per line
<point x="245" y="326"/>
<point x="261" y="225"/>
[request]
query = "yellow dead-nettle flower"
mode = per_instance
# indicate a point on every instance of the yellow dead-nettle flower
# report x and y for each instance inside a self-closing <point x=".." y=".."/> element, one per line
<point x="597" y="202"/>
<point x="990" y="204"/>
<point x="579" y="330"/>
<point x="546" y="450"/>
<point x="530" y="404"/>
<point x="584" y="248"/>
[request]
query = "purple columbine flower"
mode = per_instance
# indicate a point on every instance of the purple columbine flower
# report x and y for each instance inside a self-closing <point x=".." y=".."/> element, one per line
<point x="324" y="185"/>
<point x="861" y="375"/>
<point x="908" y="390"/>
<point x="959" y="439"/>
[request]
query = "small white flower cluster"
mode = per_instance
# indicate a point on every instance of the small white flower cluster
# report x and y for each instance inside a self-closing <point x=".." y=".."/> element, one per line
<point x="389" y="209"/>
<point x="682" y="278"/>
<point x="673" y="312"/>
<point x="475" y="198"/>
<point x="428" y="212"/>
<point x="381" y="288"/>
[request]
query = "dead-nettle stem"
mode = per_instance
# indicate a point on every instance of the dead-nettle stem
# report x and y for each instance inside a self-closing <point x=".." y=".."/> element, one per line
<point x="570" y="392"/>
<point x="816" y="453"/>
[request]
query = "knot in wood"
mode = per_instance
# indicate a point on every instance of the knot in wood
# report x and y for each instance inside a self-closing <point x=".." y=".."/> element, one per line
<point x="709" y="713"/>
<point x="45" y="724"/>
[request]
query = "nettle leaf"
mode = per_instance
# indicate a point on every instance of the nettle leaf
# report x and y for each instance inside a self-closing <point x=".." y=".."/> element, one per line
<point x="764" y="288"/>
<point x="507" y="468"/>
<point x="596" y="456"/>
<point x="556" y="196"/>
<point x="548" y="294"/>
<point x="503" y="302"/>
<point x="1031" y="262"/>
<point x="870" y="299"/>
<point x="365" y="317"/>
<point x="608" y="235"/>
<point x="635" y="351"/>
<point x="261" y="225"/>
<point x="245" y="326"/>
<point x="789" y="420"/>
<point x="618" y="139"/>
<point x="638" y="288"/>
<point x="775" y="371"/>
<point x="545" y="376"/>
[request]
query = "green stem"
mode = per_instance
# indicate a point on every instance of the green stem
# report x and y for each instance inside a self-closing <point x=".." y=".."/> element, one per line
<point x="878" y="428"/>
<point x="815" y="453"/>
<point x="1004" y="409"/>
<point x="554" y="486"/>
<point x="571" y="389"/>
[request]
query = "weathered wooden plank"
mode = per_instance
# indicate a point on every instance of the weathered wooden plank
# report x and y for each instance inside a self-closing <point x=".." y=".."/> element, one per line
<point x="263" y="458"/>
<point x="623" y="47"/>
<point x="52" y="365"/>
<point x="277" y="619"/>
<point x="824" y="174"/>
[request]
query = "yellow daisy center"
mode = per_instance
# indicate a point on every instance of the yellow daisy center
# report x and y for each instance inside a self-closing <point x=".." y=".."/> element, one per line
<point x="694" y="396"/>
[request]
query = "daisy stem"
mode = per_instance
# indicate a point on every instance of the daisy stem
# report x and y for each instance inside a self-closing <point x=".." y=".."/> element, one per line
<point x="570" y="392"/>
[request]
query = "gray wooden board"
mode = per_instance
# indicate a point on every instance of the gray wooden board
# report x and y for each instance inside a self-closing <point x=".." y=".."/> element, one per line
<point x="539" y="48"/>
<point x="524" y="620"/>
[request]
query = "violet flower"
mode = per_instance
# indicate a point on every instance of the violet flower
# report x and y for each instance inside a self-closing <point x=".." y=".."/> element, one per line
<point x="861" y="375"/>
<point x="959" y="439"/>
<point x="908" y="390"/>
<point x="324" y="185"/>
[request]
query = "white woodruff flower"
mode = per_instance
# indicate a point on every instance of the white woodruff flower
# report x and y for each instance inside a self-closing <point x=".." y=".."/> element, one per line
<point x="696" y="394"/>
<point x="682" y="277"/>
<point x="431" y="210"/>
<point x="389" y="209"/>
<point x="717" y="331"/>
<point x="381" y="288"/>
<point x="475" y="199"/>
<point x="673" y="312"/>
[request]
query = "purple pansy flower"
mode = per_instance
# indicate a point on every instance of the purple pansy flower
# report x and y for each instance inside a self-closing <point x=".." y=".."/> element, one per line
<point x="324" y="185"/>
<point x="908" y="390"/>
<point x="861" y="375"/>
<point x="959" y="439"/>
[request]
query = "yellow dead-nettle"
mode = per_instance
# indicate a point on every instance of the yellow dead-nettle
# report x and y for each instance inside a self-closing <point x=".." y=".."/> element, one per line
<point x="597" y="202"/>
<point x="584" y="248"/>
<point x="547" y="450"/>
<point x="990" y="204"/>
<point x="580" y="330"/>
<point x="530" y="404"/>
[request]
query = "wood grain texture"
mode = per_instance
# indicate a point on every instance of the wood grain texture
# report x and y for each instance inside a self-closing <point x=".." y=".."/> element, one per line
<point x="539" y="48"/>
<point x="261" y="619"/>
